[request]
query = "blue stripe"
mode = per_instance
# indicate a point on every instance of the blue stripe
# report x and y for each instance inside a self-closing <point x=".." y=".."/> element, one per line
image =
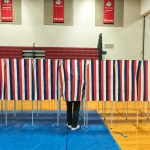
<point x="119" y="78"/>
<point x="78" y="74"/>
<point x="51" y="71"/>
<point x="138" y="72"/>
<point x="114" y="79"/>
<point x="144" y="63"/>
<point x="132" y="80"/>
<point x="33" y="88"/>
<point x="57" y="62"/>
<point x="64" y="74"/>
<point x="100" y="82"/>
<point x="125" y="79"/>
<point x="18" y="78"/>
<point x="84" y="83"/>
<point x="25" y="78"/>
<point x="10" y="77"/>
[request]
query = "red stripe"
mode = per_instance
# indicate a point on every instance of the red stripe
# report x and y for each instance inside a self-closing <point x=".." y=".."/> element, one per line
<point x="88" y="82"/>
<point x="139" y="86"/>
<point x="147" y="80"/>
<point x="0" y="76"/>
<point x="27" y="69"/>
<point x="134" y="92"/>
<point x="20" y="80"/>
<point x="46" y="75"/>
<point x="121" y="96"/>
<point x="6" y="64"/>
<point x="54" y="77"/>
<point x="80" y="64"/>
<point x="39" y="80"/>
<point x="61" y="81"/>
<point x="94" y="72"/>
<point x="109" y="79"/>
<point x="66" y="68"/>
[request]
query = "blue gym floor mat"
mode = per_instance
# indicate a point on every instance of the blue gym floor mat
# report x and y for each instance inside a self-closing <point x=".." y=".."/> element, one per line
<point x="45" y="135"/>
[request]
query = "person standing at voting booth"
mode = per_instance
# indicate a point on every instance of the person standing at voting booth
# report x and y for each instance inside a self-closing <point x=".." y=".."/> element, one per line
<point x="72" y="79"/>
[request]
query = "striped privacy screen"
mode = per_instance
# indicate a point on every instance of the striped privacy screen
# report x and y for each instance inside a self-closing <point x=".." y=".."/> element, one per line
<point x="45" y="78"/>
<point x="107" y="80"/>
<point x="18" y="79"/>
<point x="101" y="80"/>
<point x="72" y="76"/>
<point x="144" y="81"/>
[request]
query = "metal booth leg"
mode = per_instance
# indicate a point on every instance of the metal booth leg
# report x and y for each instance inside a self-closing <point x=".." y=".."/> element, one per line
<point x="32" y="112"/>
<point x="111" y="113"/>
<point x="6" y="113"/>
<point x="14" y="109"/>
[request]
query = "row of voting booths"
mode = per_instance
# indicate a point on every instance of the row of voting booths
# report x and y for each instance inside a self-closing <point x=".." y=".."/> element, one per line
<point x="78" y="80"/>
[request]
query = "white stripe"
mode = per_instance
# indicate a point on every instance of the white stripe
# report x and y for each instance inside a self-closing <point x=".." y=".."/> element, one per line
<point x="55" y="69"/>
<point x="2" y="90"/>
<point x="35" y="79"/>
<point x="49" y="79"/>
<point x="104" y="75"/>
<point x="123" y="80"/>
<point x="75" y="94"/>
<point x="42" y="80"/>
<point x="30" y="80"/>
<point x="16" y="80"/>
<point x="68" y="73"/>
<point x="63" y="80"/>
<point x="148" y="80"/>
<point x="90" y="81"/>
<point x="111" y="79"/>
<point x="83" y="73"/>
<point x="142" y="81"/>
<point x="23" y="79"/>
<point x="116" y="74"/>
<point x="8" y="77"/>
<point x="97" y="80"/>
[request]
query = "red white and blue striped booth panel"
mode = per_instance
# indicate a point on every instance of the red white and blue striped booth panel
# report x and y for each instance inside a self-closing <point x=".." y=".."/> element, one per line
<point x="1" y="79"/>
<point x="72" y="78"/>
<point x="18" y="79"/>
<point x="101" y="80"/>
<point x="126" y="79"/>
<point x="45" y="73"/>
<point x="144" y="81"/>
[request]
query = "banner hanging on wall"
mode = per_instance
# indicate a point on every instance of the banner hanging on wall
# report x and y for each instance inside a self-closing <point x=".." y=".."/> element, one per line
<point x="6" y="11"/>
<point x="108" y="12"/>
<point x="58" y="11"/>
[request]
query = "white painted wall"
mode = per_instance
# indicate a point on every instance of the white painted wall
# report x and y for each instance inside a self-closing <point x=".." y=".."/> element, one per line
<point x="145" y="7"/>
<point x="127" y="40"/>
<point x="147" y="38"/>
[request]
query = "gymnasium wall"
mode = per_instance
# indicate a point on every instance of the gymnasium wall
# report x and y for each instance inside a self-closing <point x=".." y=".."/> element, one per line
<point x="123" y="42"/>
<point x="145" y="7"/>
<point x="147" y="38"/>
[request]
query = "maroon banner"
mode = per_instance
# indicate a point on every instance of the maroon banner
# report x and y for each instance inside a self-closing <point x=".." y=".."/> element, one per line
<point x="6" y="11"/>
<point x="108" y="12"/>
<point x="58" y="11"/>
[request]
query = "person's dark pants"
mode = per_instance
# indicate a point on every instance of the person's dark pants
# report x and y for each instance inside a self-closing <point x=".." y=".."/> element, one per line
<point x="73" y="109"/>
